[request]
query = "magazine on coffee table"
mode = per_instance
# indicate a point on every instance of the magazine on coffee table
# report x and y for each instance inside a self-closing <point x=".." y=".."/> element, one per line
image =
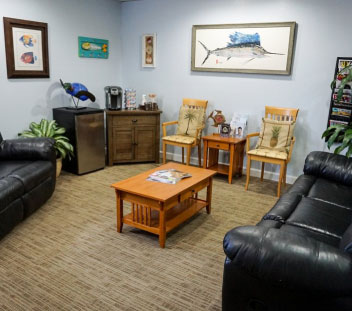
<point x="171" y="176"/>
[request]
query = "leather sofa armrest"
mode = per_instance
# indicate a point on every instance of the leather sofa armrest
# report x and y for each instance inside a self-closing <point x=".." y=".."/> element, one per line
<point x="28" y="149"/>
<point x="330" y="166"/>
<point x="289" y="260"/>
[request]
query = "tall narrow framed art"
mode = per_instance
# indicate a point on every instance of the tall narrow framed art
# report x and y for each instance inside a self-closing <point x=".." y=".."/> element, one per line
<point x="26" y="44"/>
<point x="148" y="50"/>
<point x="265" y="48"/>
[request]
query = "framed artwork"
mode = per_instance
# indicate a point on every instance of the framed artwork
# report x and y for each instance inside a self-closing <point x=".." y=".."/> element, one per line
<point x="225" y="130"/>
<point x="148" y="50"/>
<point x="247" y="48"/>
<point x="26" y="45"/>
<point x="93" y="47"/>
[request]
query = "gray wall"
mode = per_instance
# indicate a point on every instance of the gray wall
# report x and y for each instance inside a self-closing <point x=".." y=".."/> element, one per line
<point x="26" y="100"/>
<point x="322" y="35"/>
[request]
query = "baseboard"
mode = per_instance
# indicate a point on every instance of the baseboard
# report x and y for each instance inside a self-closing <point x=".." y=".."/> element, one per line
<point x="254" y="171"/>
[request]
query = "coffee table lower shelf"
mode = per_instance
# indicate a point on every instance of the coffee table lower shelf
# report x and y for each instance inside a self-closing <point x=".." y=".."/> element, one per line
<point x="148" y="219"/>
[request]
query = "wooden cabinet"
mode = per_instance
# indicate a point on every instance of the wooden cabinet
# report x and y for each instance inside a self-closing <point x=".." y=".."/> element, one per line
<point x="133" y="136"/>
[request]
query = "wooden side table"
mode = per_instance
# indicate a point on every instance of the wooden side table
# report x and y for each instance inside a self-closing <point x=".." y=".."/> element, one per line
<point x="214" y="143"/>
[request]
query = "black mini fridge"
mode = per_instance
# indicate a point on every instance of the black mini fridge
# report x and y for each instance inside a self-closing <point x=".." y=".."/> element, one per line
<point x="85" y="129"/>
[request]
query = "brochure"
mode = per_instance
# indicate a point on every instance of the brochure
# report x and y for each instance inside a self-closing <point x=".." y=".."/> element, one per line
<point x="170" y="176"/>
<point x="239" y="125"/>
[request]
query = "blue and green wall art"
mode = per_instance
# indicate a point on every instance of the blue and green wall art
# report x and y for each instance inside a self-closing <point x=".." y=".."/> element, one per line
<point x="93" y="47"/>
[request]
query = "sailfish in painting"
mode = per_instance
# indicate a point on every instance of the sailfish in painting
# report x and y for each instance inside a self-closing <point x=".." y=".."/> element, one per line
<point x="240" y="45"/>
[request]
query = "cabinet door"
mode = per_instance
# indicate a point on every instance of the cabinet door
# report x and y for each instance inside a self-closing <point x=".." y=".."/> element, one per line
<point x="144" y="143"/>
<point x="90" y="142"/>
<point x="123" y="143"/>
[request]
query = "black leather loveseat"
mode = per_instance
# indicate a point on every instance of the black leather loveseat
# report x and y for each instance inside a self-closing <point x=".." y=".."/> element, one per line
<point x="27" y="178"/>
<point x="299" y="256"/>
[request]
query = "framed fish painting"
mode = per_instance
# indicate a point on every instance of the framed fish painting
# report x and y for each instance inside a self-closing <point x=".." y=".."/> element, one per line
<point x="93" y="47"/>
<point x="26" y="45"/>
<point x="148" y="50"/>
<point x="265" y="48"/>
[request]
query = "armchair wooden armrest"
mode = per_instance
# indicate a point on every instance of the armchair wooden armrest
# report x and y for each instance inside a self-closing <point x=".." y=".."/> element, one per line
<point x="248" y="139"/>
<point x="165" y="124"/>
<point x="291" y="148"/>
<point x="199" y="129"/>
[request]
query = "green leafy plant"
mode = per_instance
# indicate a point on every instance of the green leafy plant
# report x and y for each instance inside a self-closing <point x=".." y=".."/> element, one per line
<point x="341" y="134"/>
<point x="51" y="129"/>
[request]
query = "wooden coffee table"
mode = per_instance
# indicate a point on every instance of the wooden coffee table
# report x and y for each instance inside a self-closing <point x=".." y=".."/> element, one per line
<point x="157" y="207"/>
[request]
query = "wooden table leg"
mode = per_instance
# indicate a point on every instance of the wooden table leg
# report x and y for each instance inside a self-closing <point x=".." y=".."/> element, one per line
<point x="119" y="211"/>
<point x="162" y="227"/>
<point x="209" y="192"/>
<point x="241" y="155"/>
<point x="205" y="153"/>
<point x="232" y="147"/>
<point x="236" y="159"/>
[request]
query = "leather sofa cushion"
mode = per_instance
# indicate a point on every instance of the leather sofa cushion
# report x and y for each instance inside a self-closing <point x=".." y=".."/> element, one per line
<point x="33" y="174"/>
<point x="333" y="241"/>
<point x="7" y="167"/>
<point x="321" y="217"/>
<point x="332" y="192"/>
<point x="303" y="184"/>
<point x="284" y="207"/>
<point x="10" y="190"/>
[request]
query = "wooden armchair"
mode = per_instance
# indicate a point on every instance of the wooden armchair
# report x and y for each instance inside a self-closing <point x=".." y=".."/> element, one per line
<point x="192" y="113"/>
<point x="274" y="157"/>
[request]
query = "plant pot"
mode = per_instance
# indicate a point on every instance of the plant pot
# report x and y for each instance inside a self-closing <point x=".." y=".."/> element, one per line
<point x="58" y="166"/>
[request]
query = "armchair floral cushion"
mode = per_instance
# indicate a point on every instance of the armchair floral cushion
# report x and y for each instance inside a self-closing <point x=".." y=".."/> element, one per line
<point x="275" y="135"/>
<point x="189" y="120"/>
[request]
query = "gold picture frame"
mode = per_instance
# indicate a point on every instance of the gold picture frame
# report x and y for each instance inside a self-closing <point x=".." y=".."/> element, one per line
<point x="263" y="48"/>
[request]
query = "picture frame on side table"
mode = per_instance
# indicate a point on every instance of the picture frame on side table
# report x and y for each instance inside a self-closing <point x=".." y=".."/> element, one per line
<point x="225" y="130"/>
<point x="26" y="45"/>
<point x="264" y="48"/>
<point x="149" y="50"/>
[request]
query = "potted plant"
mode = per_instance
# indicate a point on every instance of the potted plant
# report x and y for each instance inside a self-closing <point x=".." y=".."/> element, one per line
<point x="51" y="129"/>
<point x="340" y="134"/>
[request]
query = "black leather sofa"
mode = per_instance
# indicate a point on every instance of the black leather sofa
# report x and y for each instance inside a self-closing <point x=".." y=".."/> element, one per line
<point x="298" y="257"/>
<point x="27" y="178"/>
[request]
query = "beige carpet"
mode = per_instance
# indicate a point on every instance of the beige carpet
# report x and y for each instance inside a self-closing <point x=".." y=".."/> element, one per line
<point x="68" y="255"/>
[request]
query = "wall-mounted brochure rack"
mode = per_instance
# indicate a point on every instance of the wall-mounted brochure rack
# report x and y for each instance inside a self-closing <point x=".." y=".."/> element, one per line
<point x="340" y="112"/>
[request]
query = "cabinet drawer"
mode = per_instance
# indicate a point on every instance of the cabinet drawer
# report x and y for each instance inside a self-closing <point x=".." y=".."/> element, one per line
<point x="216" y="145"/>
<point x="123" y="121"/>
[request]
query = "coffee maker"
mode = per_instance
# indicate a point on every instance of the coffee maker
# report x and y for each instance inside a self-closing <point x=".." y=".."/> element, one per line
<point x="113" y="97"/>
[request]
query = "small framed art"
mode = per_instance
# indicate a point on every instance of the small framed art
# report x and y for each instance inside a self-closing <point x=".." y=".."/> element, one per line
<point x="225" y="130"/>
<point x="93" y="47"/>
<point x="26" y="44"/>
<point x="149" y="50"/>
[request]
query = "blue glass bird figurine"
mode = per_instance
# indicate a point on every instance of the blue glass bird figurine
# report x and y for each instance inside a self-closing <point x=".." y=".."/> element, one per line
<point x="77" y="90"/>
